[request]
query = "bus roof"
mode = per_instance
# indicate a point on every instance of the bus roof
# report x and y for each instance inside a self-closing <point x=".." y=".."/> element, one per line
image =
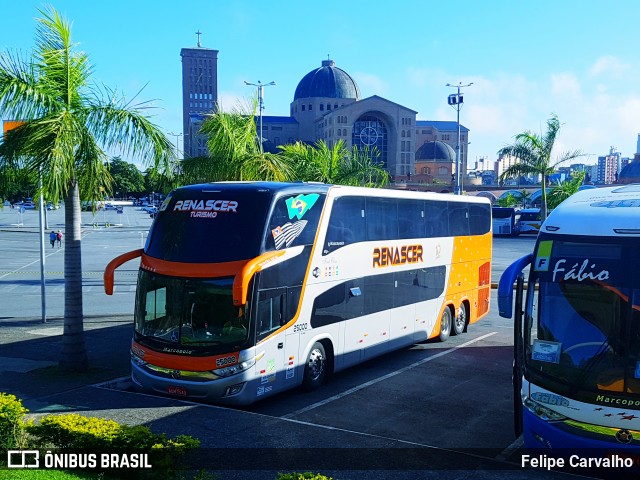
<point x="250" y="186"/>
<point x="610" y="211"/>
<point x="336" y="190"/>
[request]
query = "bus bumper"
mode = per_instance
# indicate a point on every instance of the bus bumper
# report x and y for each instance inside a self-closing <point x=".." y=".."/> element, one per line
<point x="234" y="390"/>
<point x="539" y="434"/>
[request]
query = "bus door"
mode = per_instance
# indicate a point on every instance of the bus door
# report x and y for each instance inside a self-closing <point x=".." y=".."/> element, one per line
<point x="512" y="284"/>
<point x="270" y="315"/>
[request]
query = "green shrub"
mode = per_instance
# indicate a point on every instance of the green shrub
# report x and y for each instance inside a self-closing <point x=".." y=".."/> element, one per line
<point x="302" y="476"/>
<point x="75" y="431"/>
<point x="12" y="426"/>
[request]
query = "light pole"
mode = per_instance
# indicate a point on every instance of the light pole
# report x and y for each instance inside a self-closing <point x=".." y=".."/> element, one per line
<point x="456" y="100"/>
<point x="177" y="135"/>
<point x="260" y="86"/>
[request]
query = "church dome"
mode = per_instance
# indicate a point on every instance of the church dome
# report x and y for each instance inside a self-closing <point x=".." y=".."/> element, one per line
<point x="328" y="81"/>
<point x="630" y="173"/>
<point x="435" y="152"/>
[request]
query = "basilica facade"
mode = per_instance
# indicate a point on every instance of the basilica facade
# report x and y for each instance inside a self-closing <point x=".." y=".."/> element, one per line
<point x="327" y="105"/>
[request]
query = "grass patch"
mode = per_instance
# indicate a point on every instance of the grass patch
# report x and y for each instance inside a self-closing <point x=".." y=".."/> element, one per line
<point x="15" y="474"/>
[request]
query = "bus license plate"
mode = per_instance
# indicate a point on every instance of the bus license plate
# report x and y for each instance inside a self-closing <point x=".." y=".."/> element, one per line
<point x="177" y="391"/>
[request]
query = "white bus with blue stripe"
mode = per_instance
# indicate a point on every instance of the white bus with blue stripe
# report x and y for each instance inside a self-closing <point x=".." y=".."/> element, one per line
<point x="577" y="325"/>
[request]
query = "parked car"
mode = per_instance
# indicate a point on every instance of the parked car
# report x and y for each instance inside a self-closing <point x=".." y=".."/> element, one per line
<point x="29" y="205"/>
<point x="6" y="203"/>
<point x="109" y="206"/>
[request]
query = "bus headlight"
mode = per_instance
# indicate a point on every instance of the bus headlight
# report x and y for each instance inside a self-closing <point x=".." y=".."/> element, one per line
<point x="543" y="412"/>
<point x="235" y="369"/>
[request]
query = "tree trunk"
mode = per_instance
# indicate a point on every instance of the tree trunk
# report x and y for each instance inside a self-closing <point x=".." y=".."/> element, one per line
<point x="74" y="352"/>
<point x="543" y="205"/>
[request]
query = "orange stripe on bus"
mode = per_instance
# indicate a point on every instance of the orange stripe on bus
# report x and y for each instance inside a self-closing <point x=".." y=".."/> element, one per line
<point x="198" y="270"/>
<point x="291" y="322"/>
<point x="181" y="362"/>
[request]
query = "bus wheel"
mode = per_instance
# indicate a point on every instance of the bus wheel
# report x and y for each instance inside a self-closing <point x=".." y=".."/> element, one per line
<point x="461" y="320"/>
<point x="445" y="324"/>
<point x="315" y="370"/>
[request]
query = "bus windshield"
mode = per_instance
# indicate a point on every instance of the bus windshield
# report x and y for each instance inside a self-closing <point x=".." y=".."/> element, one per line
<point x="583" y="331"/>
<point x="209" y="225"/>
<point x="189" y="312"/>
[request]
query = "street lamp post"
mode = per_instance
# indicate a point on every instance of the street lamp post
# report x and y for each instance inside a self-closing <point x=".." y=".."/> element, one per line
<point x="456" y="100"/>
<point x="177" y="135"/>
<point x="260" y="86"/>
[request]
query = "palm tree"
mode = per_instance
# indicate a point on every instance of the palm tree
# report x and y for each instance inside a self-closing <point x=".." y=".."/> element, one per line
<point x="509" y="200"/>
<point x="563" y="190"/>
<point x="335" y="164"/>
<point x="66" y="125"/>
<point x="524" y="198"/>
<point x="234" y="151"/>
<point x="533" y="153"/>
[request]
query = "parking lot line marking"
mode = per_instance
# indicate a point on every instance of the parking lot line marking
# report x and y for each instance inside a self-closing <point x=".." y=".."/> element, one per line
<point x="385" y="377"/>
<point x="17" y="270"/>
<point x="510" y="450"/>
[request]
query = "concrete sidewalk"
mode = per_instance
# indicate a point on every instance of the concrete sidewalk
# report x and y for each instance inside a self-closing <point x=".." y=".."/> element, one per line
<point x="30" y="351"/>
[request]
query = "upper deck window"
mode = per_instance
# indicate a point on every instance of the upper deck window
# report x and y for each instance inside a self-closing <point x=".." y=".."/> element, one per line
<point x="195" y="226"/>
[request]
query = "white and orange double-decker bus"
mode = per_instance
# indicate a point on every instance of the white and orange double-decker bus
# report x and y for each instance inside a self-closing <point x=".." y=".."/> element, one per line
<point x="248" y="289"/>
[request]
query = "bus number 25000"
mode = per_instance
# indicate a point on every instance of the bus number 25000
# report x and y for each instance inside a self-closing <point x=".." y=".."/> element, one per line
<point x="300" y="327"/>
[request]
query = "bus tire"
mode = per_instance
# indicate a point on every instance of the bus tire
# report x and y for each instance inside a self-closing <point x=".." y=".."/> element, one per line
<point x="460" y="322"/>
<point x="445" y="324"/>
<point x="316" y="368"/>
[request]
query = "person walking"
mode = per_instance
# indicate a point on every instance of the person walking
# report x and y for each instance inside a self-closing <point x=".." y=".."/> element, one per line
<point x="52" y="238"/>
<point x="59" y="238"/>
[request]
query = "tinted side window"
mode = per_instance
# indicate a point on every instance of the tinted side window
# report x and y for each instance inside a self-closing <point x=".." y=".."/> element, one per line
<point x="458" y="218"/>
<point x="411" y="219"/>
<point x="346" y="225"/>
<point x="382" y="219"/>
<point x="436" y="219"/>
<point x="479" y="218"/>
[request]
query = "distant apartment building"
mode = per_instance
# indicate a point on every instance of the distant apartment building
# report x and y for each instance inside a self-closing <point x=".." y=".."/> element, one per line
<point x="609" y="167"/>
<point x="503" y="163"/>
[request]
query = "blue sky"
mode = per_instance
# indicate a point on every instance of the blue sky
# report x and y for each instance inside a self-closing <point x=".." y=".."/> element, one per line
<point x="526" y="59"/>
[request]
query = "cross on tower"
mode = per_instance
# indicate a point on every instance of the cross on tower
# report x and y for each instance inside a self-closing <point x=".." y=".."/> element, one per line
<point x="199" y="33"/>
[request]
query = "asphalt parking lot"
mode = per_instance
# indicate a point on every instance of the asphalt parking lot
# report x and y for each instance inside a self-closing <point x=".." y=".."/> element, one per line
<point x="433" y="410"/>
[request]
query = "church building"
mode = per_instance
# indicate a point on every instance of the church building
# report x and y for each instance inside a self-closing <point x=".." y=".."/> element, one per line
<point x="327" y="105"/>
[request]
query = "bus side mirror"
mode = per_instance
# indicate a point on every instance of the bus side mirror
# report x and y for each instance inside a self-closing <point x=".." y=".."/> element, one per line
<point x="505" y="287"/>
<point x="242" y="279"/>
<point x="115" y="263"/>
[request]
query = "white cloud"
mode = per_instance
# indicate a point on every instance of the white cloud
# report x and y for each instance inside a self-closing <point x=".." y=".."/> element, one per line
<point x="608" y="65"/>
<point x="565" y="84"/>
